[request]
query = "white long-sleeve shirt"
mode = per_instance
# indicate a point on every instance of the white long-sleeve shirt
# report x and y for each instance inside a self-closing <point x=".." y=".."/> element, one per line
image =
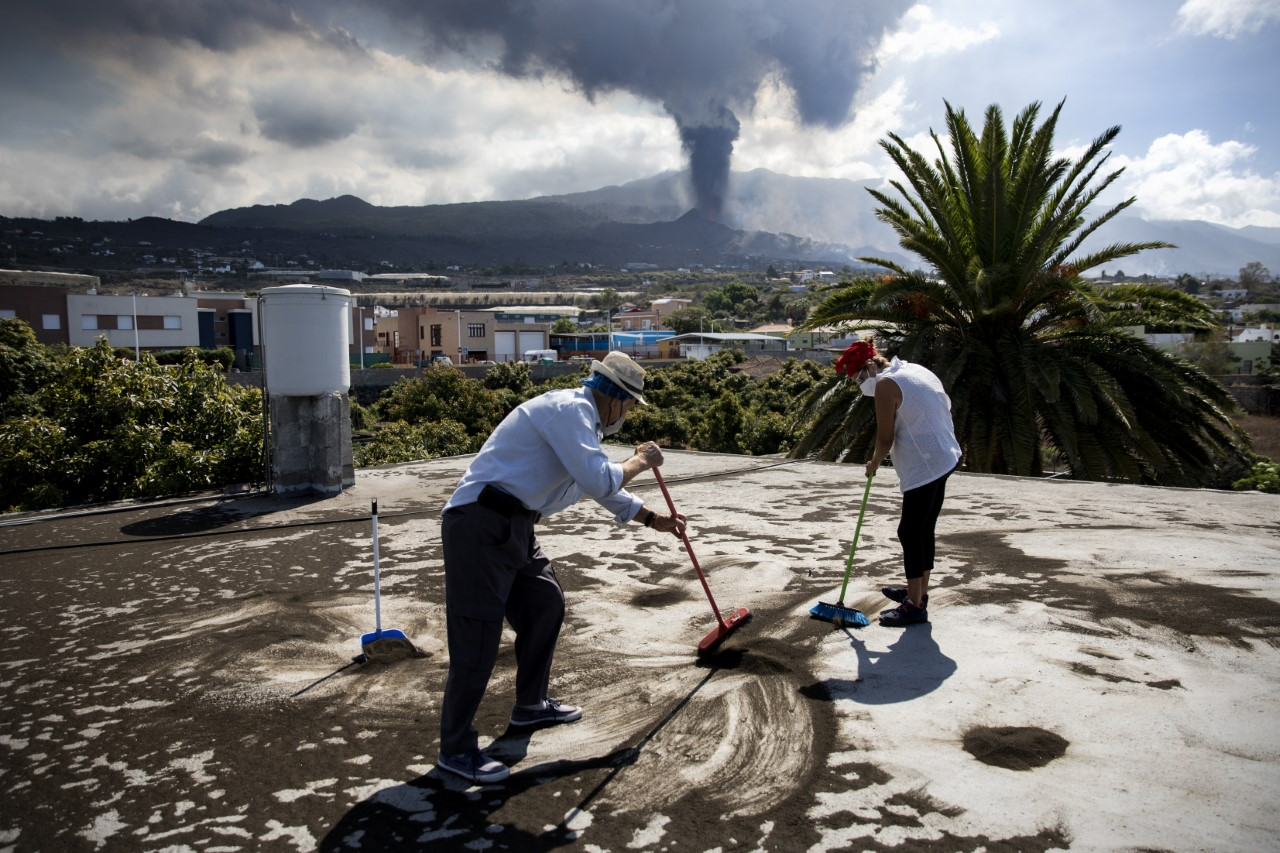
<point x="547" y="454"/>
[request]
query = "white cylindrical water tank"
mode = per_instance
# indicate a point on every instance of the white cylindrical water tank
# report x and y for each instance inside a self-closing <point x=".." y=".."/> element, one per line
<point x="306" y="336"/>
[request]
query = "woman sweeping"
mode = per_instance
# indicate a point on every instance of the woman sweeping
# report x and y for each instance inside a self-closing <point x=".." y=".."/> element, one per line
<point x="913" y="422"/>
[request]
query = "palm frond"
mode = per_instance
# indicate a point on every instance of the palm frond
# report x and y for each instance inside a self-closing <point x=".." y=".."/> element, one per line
<point x="1031" y="353"/>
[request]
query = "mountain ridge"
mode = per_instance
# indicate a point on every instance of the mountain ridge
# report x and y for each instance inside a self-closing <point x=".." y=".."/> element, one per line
<point x="768" y="218"/>
<point x="818" y="219"/>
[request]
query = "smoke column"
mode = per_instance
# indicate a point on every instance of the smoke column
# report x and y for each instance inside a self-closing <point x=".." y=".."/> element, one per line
<point x="704" y="60"/>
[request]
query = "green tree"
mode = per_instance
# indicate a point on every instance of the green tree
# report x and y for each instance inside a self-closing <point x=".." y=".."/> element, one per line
<point x="1213" y="357"/>
<point x="111" y="428"/>
<point x="221" y="357"/>
<point x="402" y="442"/>
<point x="25" y="365"/>
<point x="1188" y="284"/>
<point x="443" y="393"/>
<point x="1263" y="476"/>
<point x="1032" y="355"/>
<point x="515" y="376"/>
<point x="606" y="300"/>
<point x="563" y="326"/>
<point x="724" y="423"/>
<point x="1253" y="275"/>
<point x="734" y="298"/>
<point x="684" y="321"/>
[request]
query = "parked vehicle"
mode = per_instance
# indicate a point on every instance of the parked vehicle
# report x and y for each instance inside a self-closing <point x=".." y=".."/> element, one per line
<point x="541" y="356"/>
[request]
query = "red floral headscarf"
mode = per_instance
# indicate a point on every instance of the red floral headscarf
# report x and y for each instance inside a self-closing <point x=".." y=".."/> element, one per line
<point x="853" y="358"/>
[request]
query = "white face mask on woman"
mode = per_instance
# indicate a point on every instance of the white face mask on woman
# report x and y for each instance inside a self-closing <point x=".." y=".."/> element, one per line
<point x="868" y="386"/>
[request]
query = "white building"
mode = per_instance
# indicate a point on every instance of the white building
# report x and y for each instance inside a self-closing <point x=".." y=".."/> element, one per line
<point x="148" y="322"/>
<point x="1263" y="332"/>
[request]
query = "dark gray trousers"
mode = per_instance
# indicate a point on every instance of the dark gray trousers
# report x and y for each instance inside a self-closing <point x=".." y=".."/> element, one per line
<point x="494" y="569"/>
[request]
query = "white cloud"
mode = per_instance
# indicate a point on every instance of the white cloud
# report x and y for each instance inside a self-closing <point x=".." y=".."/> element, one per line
<point x="773" y="137"/>
<point x="1187" y="176"/>
<point x="921" y="35"/>
<point x="1227" y="18"/>
<point x="221" y="130"/>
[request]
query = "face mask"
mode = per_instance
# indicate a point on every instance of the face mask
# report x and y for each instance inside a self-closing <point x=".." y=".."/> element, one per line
<point x="615" y="426"/>
<point x="868" y="386"/>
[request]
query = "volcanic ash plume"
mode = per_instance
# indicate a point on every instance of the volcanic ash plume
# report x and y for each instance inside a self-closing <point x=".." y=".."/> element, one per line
<point x="704" y="60"/>
<point x="709" y="148"/>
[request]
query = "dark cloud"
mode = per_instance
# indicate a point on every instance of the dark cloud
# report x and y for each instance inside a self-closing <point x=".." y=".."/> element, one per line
<point x="301" y="124"/>
<point x="215" y="156"/>
<point x="219" y="25"/>
<point x="704" y="60"/>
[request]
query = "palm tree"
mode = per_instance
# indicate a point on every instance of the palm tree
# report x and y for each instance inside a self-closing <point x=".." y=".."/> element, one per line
<point x="1038" y="361"/>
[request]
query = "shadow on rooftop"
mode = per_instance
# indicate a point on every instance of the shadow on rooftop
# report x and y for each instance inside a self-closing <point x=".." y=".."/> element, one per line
<point x="910" y="668"/>
<point x="205" y="518"/>
<point x="441" y="812"/>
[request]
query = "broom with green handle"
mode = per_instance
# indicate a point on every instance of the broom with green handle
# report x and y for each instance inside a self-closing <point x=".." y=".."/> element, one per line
<point x="838" y="613"/>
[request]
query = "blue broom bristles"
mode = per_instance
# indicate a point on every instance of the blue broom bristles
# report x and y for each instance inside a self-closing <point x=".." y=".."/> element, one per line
<point x="838" y="614"/>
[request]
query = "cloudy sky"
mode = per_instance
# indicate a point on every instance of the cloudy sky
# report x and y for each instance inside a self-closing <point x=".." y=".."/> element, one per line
<point x="180" y="108"/>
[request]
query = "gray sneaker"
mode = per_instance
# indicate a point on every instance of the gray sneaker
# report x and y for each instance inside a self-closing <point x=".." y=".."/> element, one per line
<point x="474" y="766"/>
<point x="905" y="613"/>
<point x="552" y="711"/>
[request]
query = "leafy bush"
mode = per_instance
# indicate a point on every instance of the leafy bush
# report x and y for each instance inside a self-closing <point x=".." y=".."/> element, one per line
<point x="359" y="415"/>
<point x="442" y="393"/>
<point x="722" y="427"/>
<point x="25" y="366"/>
<point x="1265" y="477"/>
<point x="402" y="442"/>
<point x="514" y="376"/>
<point x="222" y="357"/>
<point x="110" y="428"/>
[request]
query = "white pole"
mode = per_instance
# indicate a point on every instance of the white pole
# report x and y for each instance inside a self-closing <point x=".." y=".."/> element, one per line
<point x="137" y="348"/>
<point x="458" y="328"/>
<point x="360" y="333"/>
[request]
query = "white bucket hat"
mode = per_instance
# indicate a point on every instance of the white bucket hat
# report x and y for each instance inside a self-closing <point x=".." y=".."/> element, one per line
<point x="619" y="369"/>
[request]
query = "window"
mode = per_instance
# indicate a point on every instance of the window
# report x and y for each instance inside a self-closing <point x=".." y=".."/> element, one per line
<point x="171" y="322"/>
<point x="89" y="321"/>
<point x="475" y="330"/>
<point x="124" y="321"/>
<point x="51" y="321"/>
<point x="368" y="324"/>
<point x="436" y="336"/>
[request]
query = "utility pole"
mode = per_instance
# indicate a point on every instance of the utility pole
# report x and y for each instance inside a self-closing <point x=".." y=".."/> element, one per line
<point x="360" y="332"/>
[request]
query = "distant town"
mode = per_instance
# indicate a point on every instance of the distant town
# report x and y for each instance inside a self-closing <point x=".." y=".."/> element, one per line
<point x="74" y="284"/>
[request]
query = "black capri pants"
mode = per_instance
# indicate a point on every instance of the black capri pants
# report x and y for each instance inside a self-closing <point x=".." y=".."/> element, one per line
<point x="921" y="507"/>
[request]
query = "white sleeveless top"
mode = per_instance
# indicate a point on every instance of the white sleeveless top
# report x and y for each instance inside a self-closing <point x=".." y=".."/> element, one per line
<point x="924" y="436"/>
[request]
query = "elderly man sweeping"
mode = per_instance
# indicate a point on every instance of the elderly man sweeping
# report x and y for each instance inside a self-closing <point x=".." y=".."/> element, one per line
<point x="543" y="457"/>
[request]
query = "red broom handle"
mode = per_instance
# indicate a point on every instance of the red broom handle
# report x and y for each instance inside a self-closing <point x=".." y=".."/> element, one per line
<point x="689" y="548"/>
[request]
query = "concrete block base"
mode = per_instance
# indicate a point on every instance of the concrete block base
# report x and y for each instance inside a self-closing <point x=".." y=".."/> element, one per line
<point x="311" y="444"/>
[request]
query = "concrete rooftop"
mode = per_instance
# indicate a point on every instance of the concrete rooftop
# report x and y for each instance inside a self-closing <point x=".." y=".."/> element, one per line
<point x="1102" y="672"/>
